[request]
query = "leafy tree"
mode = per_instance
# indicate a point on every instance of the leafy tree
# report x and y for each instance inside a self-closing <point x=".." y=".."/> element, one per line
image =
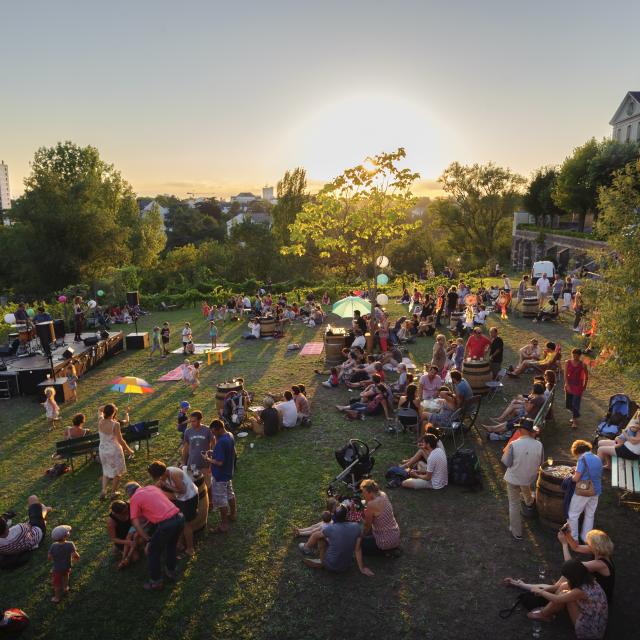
<point x="538" y="200"/>
<point x="292" y="194"/>
<point x="210" y="208"/>
<point x="189" y="225"/>
<point x="478" y="212"/>
<point x="590" y="167"/>
<point x="147" y="237"/>
<point x="354" y="218"/>
<point x="75" y="220"/>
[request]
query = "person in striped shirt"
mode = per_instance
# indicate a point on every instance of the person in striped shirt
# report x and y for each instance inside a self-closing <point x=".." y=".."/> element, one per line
<point x="24" y="536"/>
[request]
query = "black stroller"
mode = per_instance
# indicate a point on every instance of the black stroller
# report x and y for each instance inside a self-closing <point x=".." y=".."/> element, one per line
<point x="620" y="411"/>
<point x="356" y="460"/>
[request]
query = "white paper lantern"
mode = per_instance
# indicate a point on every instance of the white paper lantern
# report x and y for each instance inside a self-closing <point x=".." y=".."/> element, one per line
<point x="10" y="318"/>
<point x="382" y="262"/>
<point x="382" y="299"/>
<point x="92" y="304"/>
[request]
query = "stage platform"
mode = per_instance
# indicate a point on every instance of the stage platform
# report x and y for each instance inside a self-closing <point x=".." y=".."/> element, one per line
<point x="24" y="374"/>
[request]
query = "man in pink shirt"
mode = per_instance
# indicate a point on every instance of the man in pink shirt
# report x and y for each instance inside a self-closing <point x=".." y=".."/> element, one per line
<point x="151" y="504"/>
<point x="477" y="345"/>
<point x="429" y="384"/>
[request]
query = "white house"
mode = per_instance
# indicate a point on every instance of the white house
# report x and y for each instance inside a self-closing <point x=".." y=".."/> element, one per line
<point x="164" y="211"/>
<point x="244" y="198"/>
<point x="253" y="217"/>
<point x="625" y="124"/>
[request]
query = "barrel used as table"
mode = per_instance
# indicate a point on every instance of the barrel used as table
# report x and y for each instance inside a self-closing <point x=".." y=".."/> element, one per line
<point x="530" y="307"/>
<point x="455" y="316"/>
<point x="200" y="521"/>
<point x="333" y="346"/>
<point x="370" y="341"/>
<point x="477" y="373"/>
<point x="223" y="389"/>
<point x="549" y="493"/>
<point x="267" y="326"/>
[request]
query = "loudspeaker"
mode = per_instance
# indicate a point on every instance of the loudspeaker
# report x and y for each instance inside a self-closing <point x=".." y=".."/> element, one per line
<point x="45" y="332"/>
<point x="133" y="298"/>
<point x="59" y="329"/>
<point x="90" y="342"/>
<point x="104" y="334"/>
<point x="68" y="354"/>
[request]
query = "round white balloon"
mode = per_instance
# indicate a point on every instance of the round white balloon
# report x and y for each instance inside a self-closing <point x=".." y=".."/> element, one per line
<point x="92" y="304"/>
<point x="382" y="299"/>
<point x="10" y="318"/>
<point x="382" y="262"/>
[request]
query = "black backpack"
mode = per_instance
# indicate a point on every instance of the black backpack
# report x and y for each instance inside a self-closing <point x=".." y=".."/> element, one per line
<point x="464" y="469"/>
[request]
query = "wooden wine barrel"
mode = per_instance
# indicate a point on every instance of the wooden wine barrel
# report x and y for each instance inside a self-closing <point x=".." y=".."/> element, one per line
<point x="200" y="521"/>
<point x="267" y="326"/>
<point x="477" y="373"/>
<point x="333" y="346"/>
<point x="371" y="341"/>
<point x="530" y="307"/>
<point x="550" y="496"/>
<point x="453" y="321"/>
<point x="223" y="388"/>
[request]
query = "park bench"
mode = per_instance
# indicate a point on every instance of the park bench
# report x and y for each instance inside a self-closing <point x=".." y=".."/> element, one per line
<point x="625" y="475"/>
<point x="87" y="446"/>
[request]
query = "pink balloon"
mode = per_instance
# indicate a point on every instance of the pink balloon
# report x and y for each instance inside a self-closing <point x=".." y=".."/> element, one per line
<point x="357" y="292"/>
<point x="62" y="298"/>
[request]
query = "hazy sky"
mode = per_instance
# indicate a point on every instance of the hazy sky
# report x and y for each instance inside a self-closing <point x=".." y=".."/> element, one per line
<point x="215" y="97"/>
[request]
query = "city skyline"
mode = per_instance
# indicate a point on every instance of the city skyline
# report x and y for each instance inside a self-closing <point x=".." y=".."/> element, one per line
<point x="216" y="99"/>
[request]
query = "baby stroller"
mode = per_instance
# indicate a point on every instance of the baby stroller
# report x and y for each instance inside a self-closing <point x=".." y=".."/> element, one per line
<point x="356" y="460"/>
<point x="621" y="410"/>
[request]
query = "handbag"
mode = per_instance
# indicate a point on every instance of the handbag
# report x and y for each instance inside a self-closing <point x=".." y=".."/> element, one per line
<point x="585" y="488"/>
<point x="526" y="600"/>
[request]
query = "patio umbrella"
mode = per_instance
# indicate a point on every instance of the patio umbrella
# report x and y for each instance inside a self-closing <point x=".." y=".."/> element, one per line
<point x="345" y="307"/>
<point x="129" y="384"/>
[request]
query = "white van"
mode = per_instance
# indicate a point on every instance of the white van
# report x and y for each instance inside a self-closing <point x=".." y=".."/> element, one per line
<point x="543" y="266"/>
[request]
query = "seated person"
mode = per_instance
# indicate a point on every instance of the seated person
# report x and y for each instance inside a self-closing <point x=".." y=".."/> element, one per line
<point x="549" y="311"/>
<point x="42" y="315"/>
<point x="269" y="417"/>
<point x="254" y="326"/>
<point x="25" y="536"/>
<point x="531" y="407"/>
<point x="626" y="445"/>
<point x="409" y="401"/>
<point x="480" y="316"/>
<point x="430" y="384"/>
<point x="302" y="403"/>
<point x="530" y="351"/>
<point x="126" y="541"/>
<point x="288" y="411"/>
<point x="77" y="428"/>
<point x="327" y="516"/>
<point x="448" y="405"/>
<point x="550" y="357"/>
<point x="375" y="403"/>
<point x="431" y="465"/>
<point x="401" y="383"/>
<point x="359" y="340"/>
<point x="391" y="359"/>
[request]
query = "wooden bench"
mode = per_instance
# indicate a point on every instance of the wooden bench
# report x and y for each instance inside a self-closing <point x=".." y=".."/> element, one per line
<point x="625" y="475"/>
<point x="87" y="446"/>
<point x="545" y="409"/>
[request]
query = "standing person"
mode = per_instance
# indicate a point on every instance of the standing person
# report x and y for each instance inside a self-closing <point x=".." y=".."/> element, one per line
<point x="576" y="378"/>
<point x="523" y="285"/>
<point x="165" y="334"/>
<point x="111" y="450"/>
<point x="187" y="336"/>
<point x="155" y="342"/>
<point x="222" y="460"/>
<point x="585" y="499"/>
<point x="557" y="287"/>
<point x="150" y="504"/>
<point x="72" y="380"/>
<point x="51" y="407"/>
<point x="452" y="300"/>
<point x="477" y="345"/>
<point x="567" y="292"/>
<point x="196" y="440"/>
<point x="542" y="287"/>
<point x="578" y="309"/>
<point x="439" y="353"/>
<point x="213" y="333"/>
<point x="78" y="318"/>
<point x="506" y="284"/>
<point x="62" y="554"/>
<point x="522" y="458"/>
<point x="383" y="332"/>
<point x="195" y="377"/>
<point x="181" y="490"/>
<point x="496" y="351"/>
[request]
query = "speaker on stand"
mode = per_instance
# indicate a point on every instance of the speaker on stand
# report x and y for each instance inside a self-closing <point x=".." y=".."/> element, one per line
<point x="47" y="336"/>
<point x="133" y="302"/>
<point x="60" y="332"/>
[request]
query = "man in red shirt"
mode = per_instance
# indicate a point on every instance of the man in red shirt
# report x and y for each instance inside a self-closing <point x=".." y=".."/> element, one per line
<point x="477" y="345"/>
<point x="151" y="504"/>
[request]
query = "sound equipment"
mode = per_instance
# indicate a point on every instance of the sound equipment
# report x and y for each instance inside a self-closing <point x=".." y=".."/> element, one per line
<point x="68" y="354"/>
<point x="90" y="342"/>
<point x="104" y="334"/>
<point x="133" y="298"/>
<point x="25" y="333"/>
<point x="46" y="334"/>
<point x="59" y="329"/>
<point x="137" y="340"/>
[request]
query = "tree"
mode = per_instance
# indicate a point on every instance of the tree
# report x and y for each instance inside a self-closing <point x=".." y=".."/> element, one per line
<point x="478" y="211"/>
<point x="354" y="217"/>
<point x="292" y="194"/>
<point x="538" y="200"/>
<point x="590" y="167"/>
<point x="189" y="225"/>
<point x="75" y="220"/>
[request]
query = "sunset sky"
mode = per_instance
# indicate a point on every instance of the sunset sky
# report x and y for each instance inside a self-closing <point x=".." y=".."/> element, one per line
<point x="217" y="97"/>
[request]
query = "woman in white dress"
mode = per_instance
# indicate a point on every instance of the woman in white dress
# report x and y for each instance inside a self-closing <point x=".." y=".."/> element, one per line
<point x="111" y="450"/>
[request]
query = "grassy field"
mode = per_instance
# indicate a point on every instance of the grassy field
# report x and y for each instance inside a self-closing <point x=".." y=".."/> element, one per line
<point x="252" y="583"/>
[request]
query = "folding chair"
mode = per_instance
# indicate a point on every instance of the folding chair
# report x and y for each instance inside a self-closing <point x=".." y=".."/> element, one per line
<point x="454" y="428"/>
<point x="497" y="386"/>
<point x="470" y="412"/>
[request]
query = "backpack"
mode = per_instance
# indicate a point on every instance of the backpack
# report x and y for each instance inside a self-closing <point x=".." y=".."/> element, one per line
<point x="13" y="621"/>
<point x="464" y="469"/>
<point x="237" y="409"/>
<point x="57" y="470"/>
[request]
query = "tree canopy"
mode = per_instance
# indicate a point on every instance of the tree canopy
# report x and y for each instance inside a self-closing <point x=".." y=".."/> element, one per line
<point x="538" y="199"/>
<point x="292" y="194"/>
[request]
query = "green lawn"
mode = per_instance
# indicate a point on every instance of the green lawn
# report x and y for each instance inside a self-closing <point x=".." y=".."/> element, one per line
<point x="252" y="583"/>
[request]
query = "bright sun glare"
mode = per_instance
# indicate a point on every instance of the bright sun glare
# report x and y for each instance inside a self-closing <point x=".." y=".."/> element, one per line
<point x="345" y="132"/>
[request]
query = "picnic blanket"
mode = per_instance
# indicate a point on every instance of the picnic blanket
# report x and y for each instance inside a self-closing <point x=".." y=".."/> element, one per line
<point x="312" y="349"/>
<point x="201" y="347"/>
<point x="175" y="375"/>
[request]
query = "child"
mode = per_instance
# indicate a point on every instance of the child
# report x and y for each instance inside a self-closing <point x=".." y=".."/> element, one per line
<point x="213" y="334"/>
<point x="165" y="334"/>
<point x="401" y="382"/>
<point x="123" y="535"/>
<point x="76" y="430"/>
<point x="190" y="348"/>
<point x="458" y="354"/>
<point x="195" y="377"/>
<point x="186" y="336"/>
<point x="72" y="379"/>
<point x="63" y="554"/>
<point x="155" y="342"/>
<point x="331" y="505"/>
<point x="186" y="371"/>
<point x="333" y="380"/>
<point x="51" y="408"/>
<point x="183" y="419"/>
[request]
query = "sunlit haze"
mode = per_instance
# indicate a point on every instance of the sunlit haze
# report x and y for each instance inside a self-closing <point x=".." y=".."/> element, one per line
<point x="216" y="98"/>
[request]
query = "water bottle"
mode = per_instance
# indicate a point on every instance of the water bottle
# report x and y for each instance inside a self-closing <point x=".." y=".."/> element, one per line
<point x="536" y="629"/>
<point x="542" y="573"/>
